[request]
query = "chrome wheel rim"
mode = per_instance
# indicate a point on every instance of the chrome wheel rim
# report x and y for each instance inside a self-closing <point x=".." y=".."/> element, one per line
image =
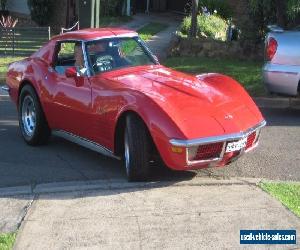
<point x="28" y="116"/>
<point x="126" y="153"/>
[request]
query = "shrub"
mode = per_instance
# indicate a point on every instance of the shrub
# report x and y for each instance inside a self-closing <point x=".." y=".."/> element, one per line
<point x="222" y="7"/>
<point x="186" y="25"/>
<point x="211" y="26"/>
<point x="41" y="11"/>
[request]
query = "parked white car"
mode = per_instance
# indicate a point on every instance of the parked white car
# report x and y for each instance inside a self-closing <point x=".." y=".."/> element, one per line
<point x="281" y="71"/>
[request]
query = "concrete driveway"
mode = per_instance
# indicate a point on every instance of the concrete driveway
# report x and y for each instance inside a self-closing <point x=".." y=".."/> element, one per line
<point x="276" y="158"/>
<point x="188" y="215"/>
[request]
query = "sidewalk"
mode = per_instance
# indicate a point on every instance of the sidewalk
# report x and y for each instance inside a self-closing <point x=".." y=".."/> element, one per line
<point x="197" y="214"/>
<point x="160" y="42"/>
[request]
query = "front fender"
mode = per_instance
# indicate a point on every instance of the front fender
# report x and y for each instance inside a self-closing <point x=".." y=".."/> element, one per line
<point x="159" y="123"/>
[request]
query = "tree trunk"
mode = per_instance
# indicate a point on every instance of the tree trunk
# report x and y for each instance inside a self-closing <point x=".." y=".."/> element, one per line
<point x="193" y="31"/>
<point x="281" y="13"/>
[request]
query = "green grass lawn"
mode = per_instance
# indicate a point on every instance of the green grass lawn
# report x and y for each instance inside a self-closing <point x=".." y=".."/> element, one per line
<point x="7" y="241"/>
<point x="151" y="29"/>
<point x="5" y="61"/>
<point x="287" y="193"/>
<point x="248" y="73"/>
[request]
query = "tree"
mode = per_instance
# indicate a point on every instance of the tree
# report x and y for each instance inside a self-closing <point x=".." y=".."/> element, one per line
<point x="270" y="12"/>
<point x="281" y="12"/>
<point x="41" y="11"/>
<point x="193" y="31"/>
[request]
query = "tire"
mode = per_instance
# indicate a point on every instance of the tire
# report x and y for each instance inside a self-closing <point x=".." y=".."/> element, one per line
<point x="137" y="149"/>
<point x="32" y="122"/>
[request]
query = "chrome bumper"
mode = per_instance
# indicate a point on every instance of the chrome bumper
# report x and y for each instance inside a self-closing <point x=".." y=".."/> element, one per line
<point x="215" y="139"/>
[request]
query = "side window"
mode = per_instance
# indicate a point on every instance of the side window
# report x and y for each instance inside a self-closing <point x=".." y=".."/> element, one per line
<point x="68" y="54"/>
<point x="66" y="50"/>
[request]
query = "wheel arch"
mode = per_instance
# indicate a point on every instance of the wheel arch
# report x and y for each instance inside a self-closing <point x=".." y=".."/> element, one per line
<point x="30" y="83"/>
<point x="120" y="130"/>
<point x="23" y="83"/>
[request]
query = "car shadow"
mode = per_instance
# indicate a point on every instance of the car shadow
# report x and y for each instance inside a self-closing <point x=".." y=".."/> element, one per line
<point x="281" y="117"/>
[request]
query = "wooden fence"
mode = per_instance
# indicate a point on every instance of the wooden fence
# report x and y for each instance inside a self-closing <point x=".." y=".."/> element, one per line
<point x="22" y="41"/>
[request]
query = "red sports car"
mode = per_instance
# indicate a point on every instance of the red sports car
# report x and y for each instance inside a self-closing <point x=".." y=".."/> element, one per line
<point x="105" y="90"/>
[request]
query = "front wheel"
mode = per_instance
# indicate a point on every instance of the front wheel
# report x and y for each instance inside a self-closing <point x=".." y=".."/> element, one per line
<point x="32" y="122"/>
<point x="137" y="147"/>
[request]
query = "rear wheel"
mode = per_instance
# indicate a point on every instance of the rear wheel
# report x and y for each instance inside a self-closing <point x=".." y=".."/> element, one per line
<point x="32" y="122"/>
<point x="137" y="149"/>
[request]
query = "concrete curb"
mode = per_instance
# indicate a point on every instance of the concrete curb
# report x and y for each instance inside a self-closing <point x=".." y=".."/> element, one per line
<point x="277" y="102"/>
<point x="115" y="184"/>
<point x="19" y="190"/>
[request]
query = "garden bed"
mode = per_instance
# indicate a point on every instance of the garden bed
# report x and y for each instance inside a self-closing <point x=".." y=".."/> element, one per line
<point x="208" y="47"/>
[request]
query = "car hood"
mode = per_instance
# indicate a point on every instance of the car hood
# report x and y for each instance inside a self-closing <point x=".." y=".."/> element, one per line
<point x="206" y="105"/>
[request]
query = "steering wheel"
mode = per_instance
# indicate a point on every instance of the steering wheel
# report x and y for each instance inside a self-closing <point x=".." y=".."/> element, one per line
<point x="104" y="63"/>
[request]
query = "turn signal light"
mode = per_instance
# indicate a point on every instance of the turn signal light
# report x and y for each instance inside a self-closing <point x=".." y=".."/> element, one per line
<point x="177" y="150"/>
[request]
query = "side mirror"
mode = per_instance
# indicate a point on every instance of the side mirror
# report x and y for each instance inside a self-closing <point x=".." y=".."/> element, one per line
<point x="71" y="72"/>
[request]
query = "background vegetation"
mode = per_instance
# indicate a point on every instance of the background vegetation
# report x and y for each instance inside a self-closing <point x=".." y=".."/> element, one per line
<point x="284" y="13"/>
<point x="212" y="26"/>
<point x="41" y="11"/>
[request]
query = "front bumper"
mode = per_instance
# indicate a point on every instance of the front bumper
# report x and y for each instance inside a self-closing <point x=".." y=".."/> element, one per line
<point x="223" y="158"/>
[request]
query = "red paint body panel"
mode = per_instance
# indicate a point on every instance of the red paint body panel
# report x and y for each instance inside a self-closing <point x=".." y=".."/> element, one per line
<point x="172" y="104"/>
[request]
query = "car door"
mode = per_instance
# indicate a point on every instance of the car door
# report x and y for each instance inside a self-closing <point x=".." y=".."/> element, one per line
<point x="71" y="100"/>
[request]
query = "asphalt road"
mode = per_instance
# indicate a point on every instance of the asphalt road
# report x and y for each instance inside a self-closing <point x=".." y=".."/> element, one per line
<point x="278" y="156"/>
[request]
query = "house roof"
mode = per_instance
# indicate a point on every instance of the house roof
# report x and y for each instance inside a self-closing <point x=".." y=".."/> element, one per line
<point x="92" y="34"/>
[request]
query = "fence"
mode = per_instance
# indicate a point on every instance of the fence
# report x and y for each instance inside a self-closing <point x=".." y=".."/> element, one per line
<point x="22" y="41"/>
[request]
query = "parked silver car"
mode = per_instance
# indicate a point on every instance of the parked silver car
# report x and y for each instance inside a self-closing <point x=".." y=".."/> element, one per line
<point x="281" y="71"/>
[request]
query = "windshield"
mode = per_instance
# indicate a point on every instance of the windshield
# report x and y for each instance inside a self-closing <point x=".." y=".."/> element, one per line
<point x="116" y="53"/>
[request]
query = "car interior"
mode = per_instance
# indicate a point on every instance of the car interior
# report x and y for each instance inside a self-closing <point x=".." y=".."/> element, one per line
<point x="102" y="56"/>
<point x="65" y="56"/>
